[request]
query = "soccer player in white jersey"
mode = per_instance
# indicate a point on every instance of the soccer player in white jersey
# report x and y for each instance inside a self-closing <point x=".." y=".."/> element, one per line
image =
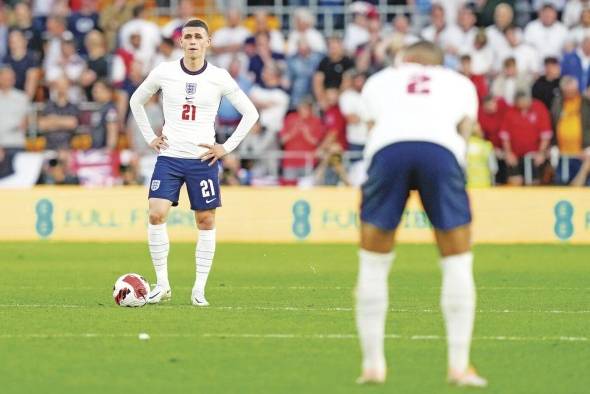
<point x="191" y="92"/>
<point x="421" y="114"/>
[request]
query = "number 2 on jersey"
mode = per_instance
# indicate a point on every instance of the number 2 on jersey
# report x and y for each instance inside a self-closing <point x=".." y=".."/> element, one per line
<point x="419" y="84"/>
<point x="189" y="112"/>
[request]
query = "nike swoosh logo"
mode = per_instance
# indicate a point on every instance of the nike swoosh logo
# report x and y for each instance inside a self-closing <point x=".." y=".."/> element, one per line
<point x="155" y="295"/>
<point x="189" y="98"/>
<point x="210" y="201"/>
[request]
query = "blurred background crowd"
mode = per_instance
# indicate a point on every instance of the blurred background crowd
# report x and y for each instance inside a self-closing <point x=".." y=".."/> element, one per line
<point x="68" y="68"/>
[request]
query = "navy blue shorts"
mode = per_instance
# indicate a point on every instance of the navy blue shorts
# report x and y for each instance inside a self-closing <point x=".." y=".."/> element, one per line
<point x="202" y="182"/>
<point x="429" y="168"/>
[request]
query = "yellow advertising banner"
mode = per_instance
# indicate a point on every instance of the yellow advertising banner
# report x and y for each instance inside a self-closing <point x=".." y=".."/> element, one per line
<point x="501" y="215"/>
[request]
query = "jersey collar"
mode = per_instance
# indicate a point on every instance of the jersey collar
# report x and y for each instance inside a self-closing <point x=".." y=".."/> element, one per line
<point x="189" y="72"/>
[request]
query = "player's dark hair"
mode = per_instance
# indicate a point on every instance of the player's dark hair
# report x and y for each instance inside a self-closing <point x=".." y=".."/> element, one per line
<point x="197" y="23"/>
<point x="424" y="52"/>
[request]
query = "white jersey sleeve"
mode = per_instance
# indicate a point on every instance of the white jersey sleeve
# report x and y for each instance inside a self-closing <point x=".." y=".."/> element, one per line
<point x="141" y="96"/>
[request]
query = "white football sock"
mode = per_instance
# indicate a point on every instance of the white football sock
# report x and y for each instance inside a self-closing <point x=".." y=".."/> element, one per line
<point x="204" y="258"/>
<point x="371" y="306"/>
<point x="458" y="307"/>
<point x="159" y="246"/>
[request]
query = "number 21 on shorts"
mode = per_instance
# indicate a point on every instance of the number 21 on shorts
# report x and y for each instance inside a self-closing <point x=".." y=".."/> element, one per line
<point x="207" y="189"/>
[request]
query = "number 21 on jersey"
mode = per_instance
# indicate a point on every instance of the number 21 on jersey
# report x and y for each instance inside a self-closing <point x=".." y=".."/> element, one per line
<point x="189" y="112"/>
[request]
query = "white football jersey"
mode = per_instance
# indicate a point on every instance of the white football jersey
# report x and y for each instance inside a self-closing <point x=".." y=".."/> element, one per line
<point x="190" y="101"/>
<point x="418" y="103"/>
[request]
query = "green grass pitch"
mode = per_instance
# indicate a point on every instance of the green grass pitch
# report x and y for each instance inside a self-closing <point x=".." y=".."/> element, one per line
<point x="281" y="321"/>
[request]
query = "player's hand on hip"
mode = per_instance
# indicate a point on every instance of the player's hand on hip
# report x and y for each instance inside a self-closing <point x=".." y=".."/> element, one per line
<point x="214" y="152"/>
<point x="159" y="143"/>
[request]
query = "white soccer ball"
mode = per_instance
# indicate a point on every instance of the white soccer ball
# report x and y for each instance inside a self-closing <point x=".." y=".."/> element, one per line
<point x="131" y="290"/>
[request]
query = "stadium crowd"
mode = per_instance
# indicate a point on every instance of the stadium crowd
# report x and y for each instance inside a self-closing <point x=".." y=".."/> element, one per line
<point x="68" y="68"/>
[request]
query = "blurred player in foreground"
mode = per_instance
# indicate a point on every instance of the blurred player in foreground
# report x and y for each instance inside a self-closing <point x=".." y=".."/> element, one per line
<point x="421" y="115"/>
<point x="191" y="90"/>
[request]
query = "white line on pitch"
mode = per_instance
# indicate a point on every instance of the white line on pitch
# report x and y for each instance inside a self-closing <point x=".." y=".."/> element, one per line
<point x="300" y="309"/>
<point x="296" y="336"/>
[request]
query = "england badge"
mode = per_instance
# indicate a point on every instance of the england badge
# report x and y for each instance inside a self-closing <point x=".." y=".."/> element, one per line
<point x="191" y="88"/>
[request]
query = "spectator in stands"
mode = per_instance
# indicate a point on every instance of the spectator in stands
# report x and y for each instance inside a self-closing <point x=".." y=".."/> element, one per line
<point x="24" y="62"/>
<point x="503" y="18"/>
<point x="52" y="37"/>
<point x="125" y="89"/>
<point x="3" y="32"/>
<point x="481" y="161"/>
<point x="440" y="32"/>
<point x="302" y="134"/>
<point x="581" y="30"/>
<point x="527" y="58"/>
<point x="227" y="116"/>
<point x="83" y="21"/>
<point x="479" y="80"/>
<point x="6" y="159"/>
<point x="304" y="22"/>
<point x="97" y="62"/>
<point x="490" y="118"/>
<point x="466" y="33"/>
<point x="356" y="32"/>
<point x="351" y="105"/>
<point x="104" y="124"/>
<point x="546" y="87"/>
<point x="577" y="64"/>
<point x="14" y="109"/>
<point x="371" y="56"/>
<point x="23" y="21"/>
<point x="112" y="17"/>
<point x="300" y="70"/>
<point x="400" y="30"/>
<point x="334" y="122"/>
<point x="526" y="129"/>
<point x="272" y="103"/>
<point x="264" y="55"/>
<point x="232" y="173"/>
<point x="571" y="121"/>
<point x="482" y="54"/>
<point x="167" y="52"/>
<point x="262" y="24"/>
<point x="186" y="11"/>
<point x="510" y="81"/>
<point x="330" y="70"/>
<point x="69" y="65"/>
<point x="573" y="11"/>
<point x="57" y="171"/>
<point x="331" y="171"/>
<point x="546" y="34"/>
<point x="228" y="42"/>
<point x="149" y="33"/>
<point x="59" y="119"/>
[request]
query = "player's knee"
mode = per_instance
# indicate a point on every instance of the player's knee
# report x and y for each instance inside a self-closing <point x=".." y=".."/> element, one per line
<point x="157" y="217"/>
<point x="206" y="222"/>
